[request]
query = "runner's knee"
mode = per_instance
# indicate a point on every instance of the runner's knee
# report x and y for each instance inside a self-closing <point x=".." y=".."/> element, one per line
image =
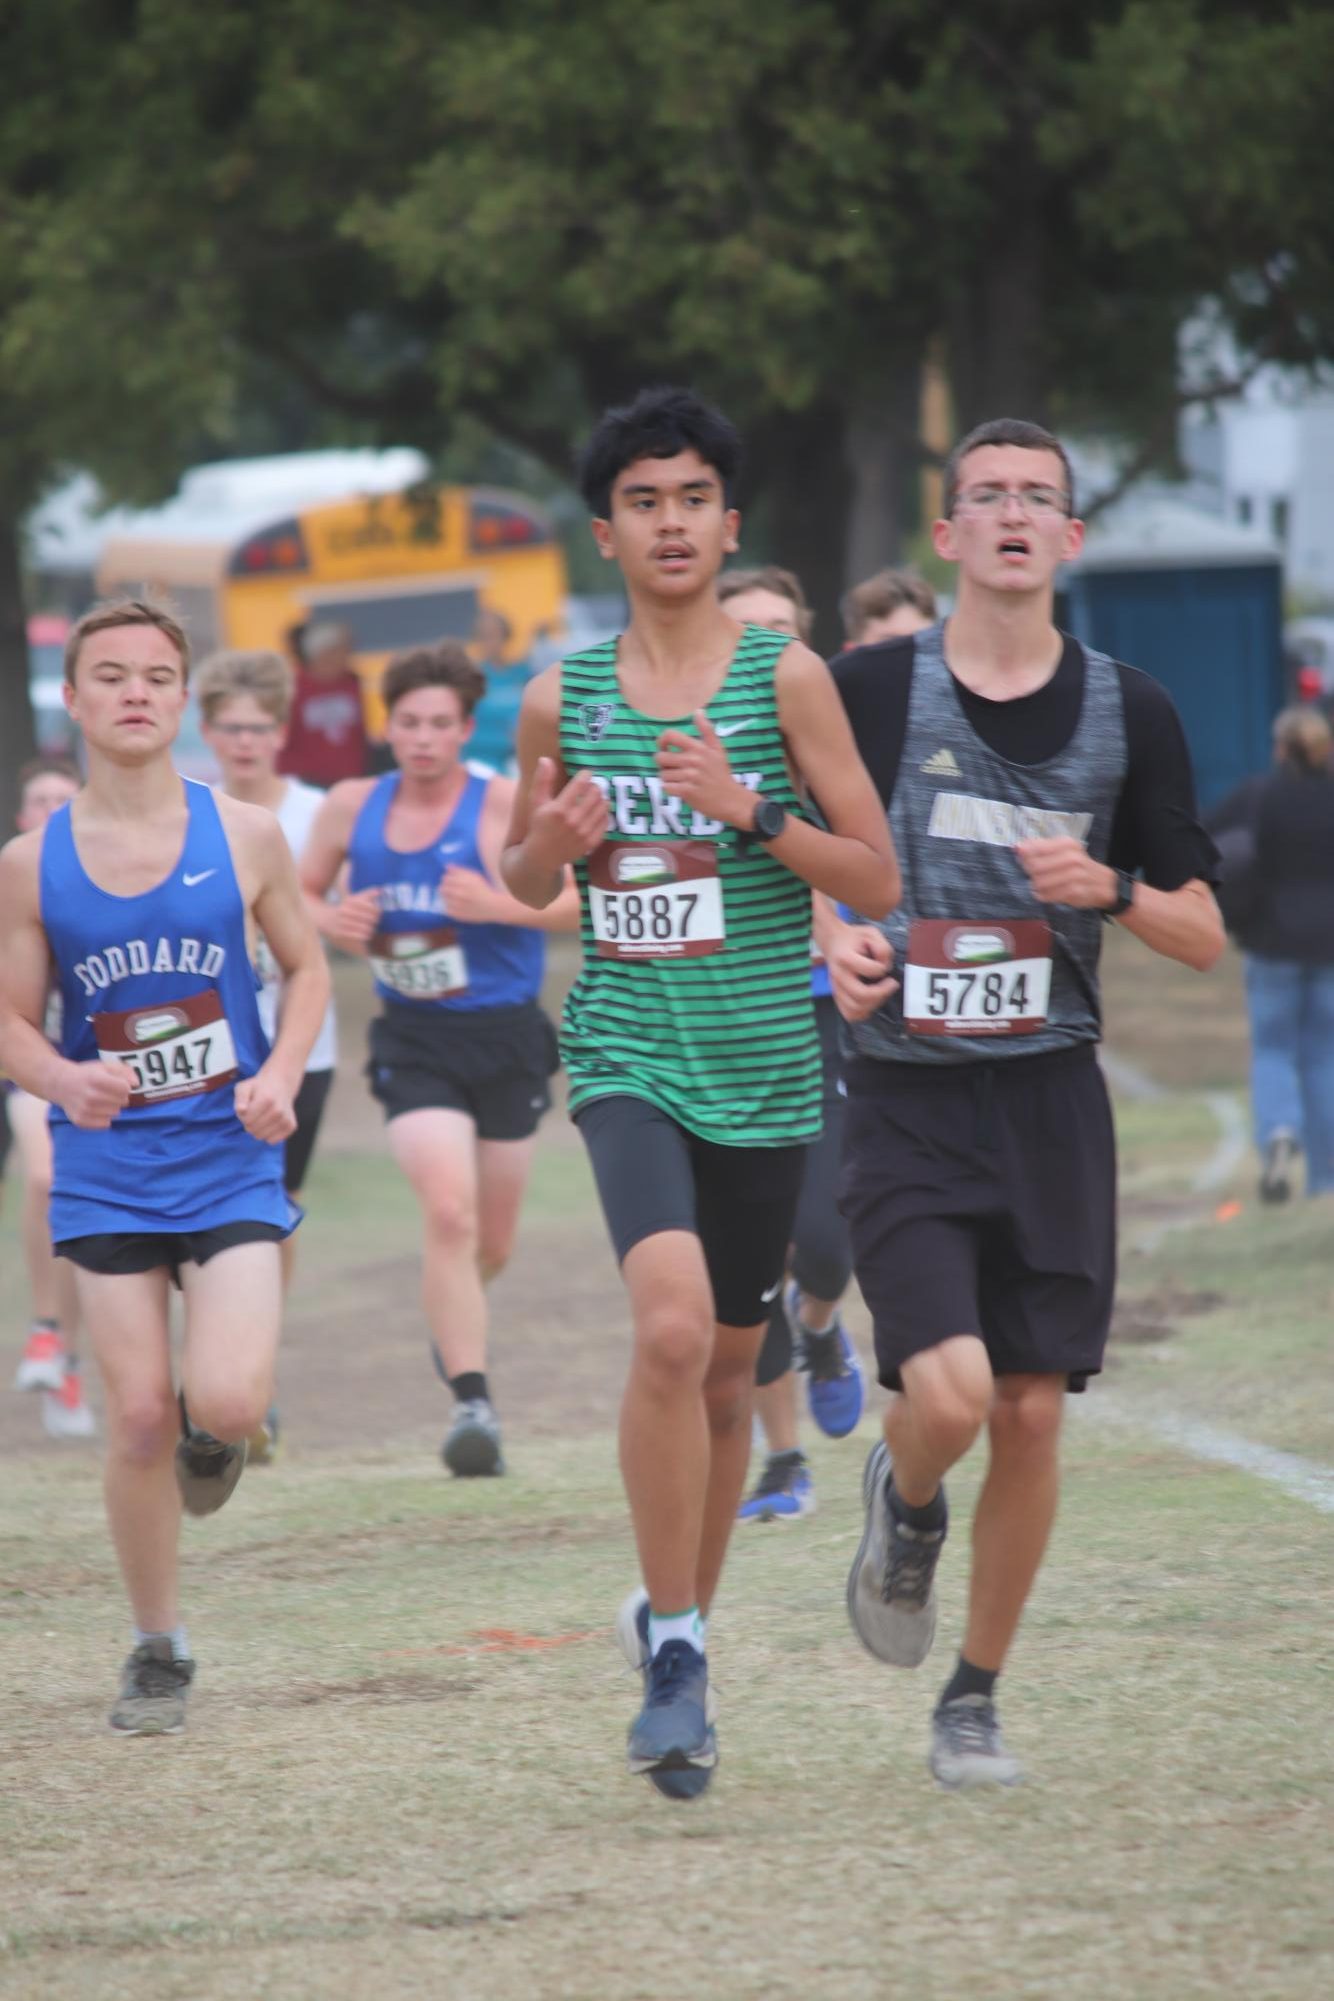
<point x="451" y="1219"/>
<point x="142" y="1425"/>
<point x="1029" y="1421"/>
<point x="673" y="1343"/>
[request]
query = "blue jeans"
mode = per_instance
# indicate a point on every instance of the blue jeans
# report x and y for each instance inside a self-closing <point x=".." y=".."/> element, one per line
<point x="1291" y="1008"/>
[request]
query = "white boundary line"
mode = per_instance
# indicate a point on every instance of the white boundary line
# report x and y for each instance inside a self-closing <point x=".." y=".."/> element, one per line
<point x="1301" y="1479"/>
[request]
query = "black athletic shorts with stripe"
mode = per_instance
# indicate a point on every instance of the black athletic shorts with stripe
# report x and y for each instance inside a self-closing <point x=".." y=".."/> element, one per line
<point x="740" y="1201"/>
<point x="981" y="1199"/>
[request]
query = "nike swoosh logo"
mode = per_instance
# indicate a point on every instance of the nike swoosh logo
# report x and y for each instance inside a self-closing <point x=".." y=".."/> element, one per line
<point x="767" y="1298"/>
<point x="203" y="876"/>
<point x="732" y="729"/>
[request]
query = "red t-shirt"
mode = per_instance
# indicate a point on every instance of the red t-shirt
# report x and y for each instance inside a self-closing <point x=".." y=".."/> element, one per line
<point x="326" y="737"/>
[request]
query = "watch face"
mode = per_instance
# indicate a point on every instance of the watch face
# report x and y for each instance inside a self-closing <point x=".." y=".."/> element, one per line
<point x="770" y="818"/>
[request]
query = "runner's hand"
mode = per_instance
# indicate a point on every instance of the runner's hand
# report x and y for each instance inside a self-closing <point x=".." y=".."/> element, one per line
<point x="95" y="1093"/>
<point x="264" y="1106"/>
<point x="695" y="768"/>
<point x="564" y="826"/>
<point x="859" y="962"/>
<point x="1063" y="871"/>
<point x="352" y="922"/>
<point x="470" y="899"/>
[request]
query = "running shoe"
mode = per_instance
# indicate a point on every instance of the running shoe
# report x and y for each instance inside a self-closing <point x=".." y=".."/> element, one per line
<point x="672" y="1740"/>
<point x="153" y="1688"/>
<point x="472" y="1444"/>
<point x="1280" y="1157"/>
<point x="263" y="1441"/>
<point x="783" y="1492"/>
<point x="967" y="1748"/>
<point x="891" y="1586"/>
<point x="64" y="1411"/>
<point x="42" y="1363"/>
<point x="207" y="1469"/>
<point x="835" y="1381"/>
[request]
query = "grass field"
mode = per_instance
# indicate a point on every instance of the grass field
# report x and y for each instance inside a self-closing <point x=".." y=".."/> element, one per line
<point x="403" y="1775"/>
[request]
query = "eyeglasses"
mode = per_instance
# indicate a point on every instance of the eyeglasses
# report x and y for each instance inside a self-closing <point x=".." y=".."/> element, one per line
<point x="245" y="729"/>
<point x="1037" y="502"/>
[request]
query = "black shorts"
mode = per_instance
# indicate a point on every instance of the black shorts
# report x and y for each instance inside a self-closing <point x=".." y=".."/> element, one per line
<point x="309" y="1106"/>
<point x="6" y="1133"/>
<point x="495" y="1064"/>
<point x="820" y="1259"/>
<point x="981" y="1199"/>
<point x="740" y="1201"/>
<point x="118" y="1253"/>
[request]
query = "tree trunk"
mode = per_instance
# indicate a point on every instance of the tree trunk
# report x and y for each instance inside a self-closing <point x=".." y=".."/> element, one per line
<point x="799" y="463"/>
<point x="881" y="445"/>
<point x="997" y="348"/>
<point x="17" y="738"/>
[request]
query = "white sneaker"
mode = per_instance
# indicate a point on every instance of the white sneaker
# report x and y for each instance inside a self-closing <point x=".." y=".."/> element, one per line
<point x="64" y="1412"/>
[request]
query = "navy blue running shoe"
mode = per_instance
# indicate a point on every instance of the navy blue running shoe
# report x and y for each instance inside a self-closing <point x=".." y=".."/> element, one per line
<point x="671" y="1740"/>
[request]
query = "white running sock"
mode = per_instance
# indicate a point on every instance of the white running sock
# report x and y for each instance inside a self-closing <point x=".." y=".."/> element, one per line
<point x="687" y="1626"/>
<point x="180" y="1641"/>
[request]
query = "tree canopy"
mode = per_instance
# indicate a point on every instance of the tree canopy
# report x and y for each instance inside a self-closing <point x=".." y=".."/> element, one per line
<point x="305" y="220"/>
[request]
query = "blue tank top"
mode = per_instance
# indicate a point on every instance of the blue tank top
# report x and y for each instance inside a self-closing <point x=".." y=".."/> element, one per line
<point x="162" y="983"/>
<point x="419" y="956"/>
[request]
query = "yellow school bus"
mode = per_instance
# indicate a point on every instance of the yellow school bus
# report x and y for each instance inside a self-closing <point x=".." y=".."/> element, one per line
<point x="397" y="569"/>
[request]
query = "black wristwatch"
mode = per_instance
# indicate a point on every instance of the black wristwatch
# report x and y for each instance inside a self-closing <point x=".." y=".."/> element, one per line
<point x="770" y="819"/>
<point x="1125" y="895"/>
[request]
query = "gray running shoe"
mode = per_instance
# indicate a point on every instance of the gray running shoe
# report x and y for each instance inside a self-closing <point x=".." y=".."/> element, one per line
<point x="472" y="1444"/>
<point x="967" y="1748"/>
<point x="1279" y="1160"/>
<point x="153" y="1688"/>
<point x="891" y="1588"/>
<point x="207" y="1470"/>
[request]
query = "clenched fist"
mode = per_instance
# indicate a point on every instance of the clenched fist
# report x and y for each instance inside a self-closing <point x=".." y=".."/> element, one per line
<point x="860" y="958"/>
<point x="264" y="1106"/>
<point x="564" y="826"/>
<point x="95" y="1092"/>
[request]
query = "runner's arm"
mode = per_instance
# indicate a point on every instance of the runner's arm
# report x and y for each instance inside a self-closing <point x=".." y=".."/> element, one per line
<point x="1182" y="923"/>
<point x="475" y="898"/>
<point x="552" y="822"/>
<point x="853" y="859"/>
<point x="350" y="920"/>
<point x="91" y="1093"/>
<point x="283" y="915"/>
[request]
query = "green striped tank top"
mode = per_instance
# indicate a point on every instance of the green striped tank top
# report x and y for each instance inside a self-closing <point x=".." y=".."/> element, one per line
<point x="696" y="986"/>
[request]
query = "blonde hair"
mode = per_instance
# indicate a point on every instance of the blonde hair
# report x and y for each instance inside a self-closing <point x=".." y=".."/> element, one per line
<point x="1303" y="736"/>
<point x="264" y="675"/>
<point x="113" y="612"/>
<point x="783" y="584"/>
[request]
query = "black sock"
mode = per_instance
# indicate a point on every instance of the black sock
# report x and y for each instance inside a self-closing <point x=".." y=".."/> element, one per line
<point x="793" y="1456"/>
<point x="469" y="1386"/>
<point x="968" y="1680"/>
<point x="927" y="1518"/>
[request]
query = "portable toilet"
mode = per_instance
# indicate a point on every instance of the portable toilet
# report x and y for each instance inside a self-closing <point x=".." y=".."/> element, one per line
<point x="1198" y="603"/>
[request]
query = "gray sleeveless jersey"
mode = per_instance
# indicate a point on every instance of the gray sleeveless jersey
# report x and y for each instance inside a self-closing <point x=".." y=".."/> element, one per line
<point x="956" y="812"/>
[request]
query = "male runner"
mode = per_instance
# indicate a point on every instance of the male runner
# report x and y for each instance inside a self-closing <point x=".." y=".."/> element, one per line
<point x="805" y="1326"/>
<point x="167" y="1101"/>
<point x="461" y="1053"/>
<point x="50" y="1360"/>
<point x="1027" y="779"/>
<point x="244" y="700"/>
<point x="664" y="765"/>
<point x="890" y="605"/>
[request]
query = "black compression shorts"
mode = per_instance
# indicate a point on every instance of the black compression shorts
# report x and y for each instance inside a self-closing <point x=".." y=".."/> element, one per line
<point x="653" y="1175"/>
<point x="981" y="1199"/>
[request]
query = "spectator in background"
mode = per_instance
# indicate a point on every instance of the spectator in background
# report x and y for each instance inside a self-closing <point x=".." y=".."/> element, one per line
<point x="772" y="598"/>
<point x="496" y="717"/>
<point x="889" y="605"/>
<point x="1276" y="835"/>
<point x="326" y="738"/>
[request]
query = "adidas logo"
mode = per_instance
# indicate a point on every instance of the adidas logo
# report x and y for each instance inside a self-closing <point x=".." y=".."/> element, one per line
<point x="943" y="765"/>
